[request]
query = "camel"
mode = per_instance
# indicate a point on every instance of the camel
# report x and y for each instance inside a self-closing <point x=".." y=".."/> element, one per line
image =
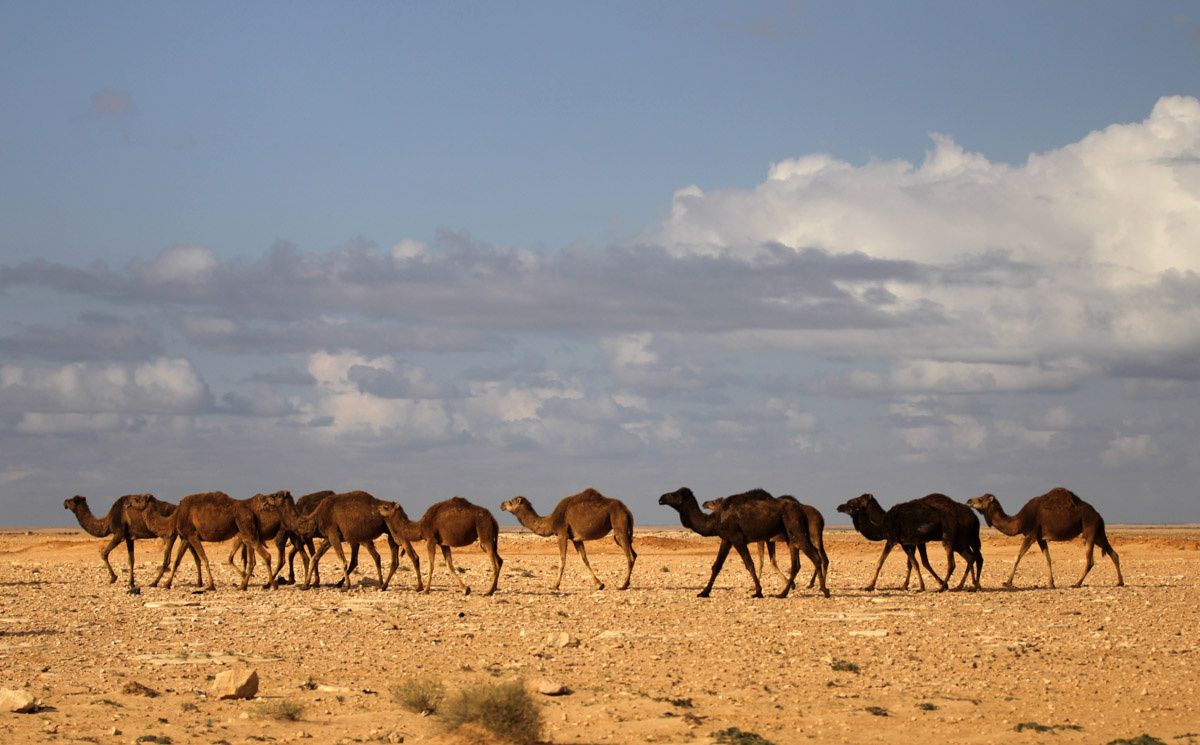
<point x="816" y="534"/>
<point x="1057" y="515"/>
<point x="449" y="524"/>
<point x="211" y="517"/>
<point x="123" y="527"/>
<point x="273" y="530"/>
<point x="747" y="518"/>
<point x="585" y="516"/>
<point x="351" y="517"/>
<point x="912" y="524"/>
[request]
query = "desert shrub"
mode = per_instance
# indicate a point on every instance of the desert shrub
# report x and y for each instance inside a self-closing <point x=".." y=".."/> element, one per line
<point x="419" y="695"/>
<point x="506" y="710"/>
<point x="286" y="710"/>
<point x="735" y="736"/>
<point x="844" y="666"/>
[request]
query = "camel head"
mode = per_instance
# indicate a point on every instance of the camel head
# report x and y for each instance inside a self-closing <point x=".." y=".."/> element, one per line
<point x="516" y="503"/>
<point x="138" y="502"/>
<point x="714" y="505"/>
<point x="983" y="504"/>
<point x="74" y="503"/>
<point x="856" y="505"/>
<point x="677" y="497"/>
<point x="275" y="500"/>
<point x="389" y="510"/>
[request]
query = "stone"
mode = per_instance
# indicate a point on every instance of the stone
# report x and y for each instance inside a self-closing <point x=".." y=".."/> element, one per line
<point x="235" y="684"/>
<point x="18" y="702"/>
<point x="548" y="687"/>
<point x="561" y="639"/>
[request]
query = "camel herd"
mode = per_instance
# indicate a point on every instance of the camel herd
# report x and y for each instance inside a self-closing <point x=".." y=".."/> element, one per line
<point x="754" y="517"/>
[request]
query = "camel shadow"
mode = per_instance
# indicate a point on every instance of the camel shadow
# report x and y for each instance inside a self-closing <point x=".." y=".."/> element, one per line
<point x="30" y="632"/>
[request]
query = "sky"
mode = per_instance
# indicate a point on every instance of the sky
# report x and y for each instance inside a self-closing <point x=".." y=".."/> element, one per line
<point x="490" y="249"/>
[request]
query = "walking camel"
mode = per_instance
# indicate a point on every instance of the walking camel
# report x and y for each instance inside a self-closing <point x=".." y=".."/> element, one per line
<point x="1057" y="515"/>
<point x="750" y="517"/>
<point x="912" y="524"/>
<point x="449" y="524"/>
<point x="586" y="516"/>
<point x="211" y="517"/>
<point x="816" y="534"/>
<point x="123" y="527"/>
<point x="351" y="517"/>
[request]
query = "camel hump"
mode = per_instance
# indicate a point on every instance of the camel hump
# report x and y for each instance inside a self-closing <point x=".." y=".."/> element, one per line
<point x="357" y="494"/>
<point x="590" y="493"/>
<point x="1059" y="494"/>
<point x="753" y="494"/>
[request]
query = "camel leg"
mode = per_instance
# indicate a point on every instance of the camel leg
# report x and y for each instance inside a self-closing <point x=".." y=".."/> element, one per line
<point x="311" y="575"/>
<point x="261" y="548"/>
<point x="431" y="547"/>
<point x="416" y="562"/>
<point x="791" y="579"/>
<point x="1026" y="542"/>
<point x="887" y="549"/>
<point x="1045" y="547"/>
<point x="770" y="546"/>
<point x="1106" y="548"/>
<point x="562" y="560"/>
<point x="379" y="564"/>
<point x="814" y="555"/>
<point x="395" y="549"/>
<point x="579" y="549"/>
<point x="949" y="567"/>
<point x="454" y="572"/>
<point x="925" y="560"/>
<point x="722" y="552"/>
<point x="104" y="552"/>
<point x="497" y="562"/>
<point x="335" y="541"/>
<point x="1089" y="547"/>
<point x="132" y="590"/>
<point x="199" y="548"/>
<point x="744" y="552"/>
<point x="625" y="541"/>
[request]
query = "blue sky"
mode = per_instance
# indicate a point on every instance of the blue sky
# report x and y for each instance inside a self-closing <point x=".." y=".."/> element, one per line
<point x="499" y="249"/>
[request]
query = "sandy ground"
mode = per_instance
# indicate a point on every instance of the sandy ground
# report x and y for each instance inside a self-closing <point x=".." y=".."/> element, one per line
<point x="650" y="664"/>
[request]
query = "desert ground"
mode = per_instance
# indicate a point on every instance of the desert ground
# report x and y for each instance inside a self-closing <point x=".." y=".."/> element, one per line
<point x="653" y="663"/>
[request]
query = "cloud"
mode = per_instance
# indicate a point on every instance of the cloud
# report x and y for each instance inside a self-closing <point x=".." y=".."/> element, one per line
<point x="93" y="337"/>
<point x="82" y="397"/>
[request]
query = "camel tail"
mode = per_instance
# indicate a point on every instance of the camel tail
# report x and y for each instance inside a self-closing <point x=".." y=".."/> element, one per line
<point x="1106" y="549"/>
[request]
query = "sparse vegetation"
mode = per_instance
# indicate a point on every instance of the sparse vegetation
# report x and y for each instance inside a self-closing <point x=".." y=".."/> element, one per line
<point x="286" y="710"/>
<point x="927" y="706"/>
<point x="878" y="711"/>
<point x="419" y="695"/>
<point x="505" y="709"/>
<point x="844" y="666"/>
<point x="1139" y="740"/>
<point x="1045" y="727"/>
<point x="735" y="736"/>
<point x="156" y="739"/>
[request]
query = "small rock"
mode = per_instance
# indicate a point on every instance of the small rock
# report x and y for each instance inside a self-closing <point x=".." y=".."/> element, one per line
<point x="561" y="639"/>
<point x="134" y="688"/>
<point x="552" y="688"/>
<point x="235" y="684"/>
<point x="19" y="702"/>
<point x="114" y="732"/>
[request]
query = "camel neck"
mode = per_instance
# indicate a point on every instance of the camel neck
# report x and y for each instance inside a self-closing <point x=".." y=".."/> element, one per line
<point x="535" y="522"/>
<point x="696" y="519"/>
<point x="98" y="527"/>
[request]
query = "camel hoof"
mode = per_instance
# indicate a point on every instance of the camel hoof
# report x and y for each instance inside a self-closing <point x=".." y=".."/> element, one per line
<point x="703" y="594"/>
<point x="825" y="591"/>
<point x="1121" y="583"/>
<point x="134" y="591"/>
<point x="466" y="591"/>
<point x="758" y="595"/>
<point x="600" y="586"/>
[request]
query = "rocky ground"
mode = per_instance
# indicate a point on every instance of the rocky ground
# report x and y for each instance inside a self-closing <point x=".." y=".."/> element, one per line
<point x="651" y="664"/>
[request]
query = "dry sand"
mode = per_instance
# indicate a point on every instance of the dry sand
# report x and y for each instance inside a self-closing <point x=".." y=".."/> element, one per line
<point x="651" y="664"/>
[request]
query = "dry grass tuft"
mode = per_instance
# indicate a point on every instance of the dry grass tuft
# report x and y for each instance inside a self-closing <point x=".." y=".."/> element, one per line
<point x="419" y="695"/>
<point x="506" y="710"/>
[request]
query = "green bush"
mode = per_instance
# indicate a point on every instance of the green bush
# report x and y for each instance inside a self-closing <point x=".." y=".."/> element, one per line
<point x="506" y="710"/>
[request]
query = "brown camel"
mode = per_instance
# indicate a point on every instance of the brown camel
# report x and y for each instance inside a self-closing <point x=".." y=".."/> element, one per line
<point x="122" y="526"/>
<point x="1057" y="515"/>
<point x="449" y="524"/>
<point x="912" y="524"/>
<point x="272" y="529"/>
<point x="351" y="517"/>
<point x="816" y="534"/>
<point x="585" y="516"/>
<point x="748" y="518"/>
<point x="211" y="517"/>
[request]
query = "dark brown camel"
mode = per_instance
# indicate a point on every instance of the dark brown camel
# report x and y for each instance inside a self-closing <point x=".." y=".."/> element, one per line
<point x="449" y="524"/>
<point x="747" y="518"/>
<point x="912" y="524"/>
<point x="351" y="517"/>
<point x="816" y="534"/>
<point x="211" y="517"/>
<point x="586" y="516"/>
<point x="272" y="529"/>
<point x="1057" y="515"/>
<point x="123" y="527"/>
